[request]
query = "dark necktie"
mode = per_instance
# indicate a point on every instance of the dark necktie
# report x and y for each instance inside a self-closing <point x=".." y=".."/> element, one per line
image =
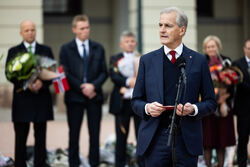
<point x="85" y="64"/>
<point x="172" y="52"/>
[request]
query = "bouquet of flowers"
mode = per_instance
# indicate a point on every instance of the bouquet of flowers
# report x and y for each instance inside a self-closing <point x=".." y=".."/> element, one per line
<point x="21" y="67"/>
<point x="224" y="77"/>
<point x="27" y="67"/>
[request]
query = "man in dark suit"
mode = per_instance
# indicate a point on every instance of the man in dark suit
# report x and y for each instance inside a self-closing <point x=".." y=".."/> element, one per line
<point x="156" y="86"/>
<point x="123" y="69"/>
<point x="85" y="67"/>
<point x="242" y="105"/>
<point x="31" y="105"/>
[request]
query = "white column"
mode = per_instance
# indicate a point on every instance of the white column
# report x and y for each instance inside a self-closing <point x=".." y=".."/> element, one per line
<point x="119" y="23"/>
<point x="150" y="19"/>
<point x="12" y="13"/>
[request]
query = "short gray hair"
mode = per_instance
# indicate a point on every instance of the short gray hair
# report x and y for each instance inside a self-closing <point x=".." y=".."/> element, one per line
<point x="127" y="34"/>
<point x="181" y="19"/>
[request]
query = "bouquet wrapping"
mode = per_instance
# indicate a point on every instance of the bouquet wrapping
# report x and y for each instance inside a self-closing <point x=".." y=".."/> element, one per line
<point x="27" y="67"/>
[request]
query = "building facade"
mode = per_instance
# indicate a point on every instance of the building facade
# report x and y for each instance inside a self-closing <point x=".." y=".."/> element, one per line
<point x="110" y="17"/>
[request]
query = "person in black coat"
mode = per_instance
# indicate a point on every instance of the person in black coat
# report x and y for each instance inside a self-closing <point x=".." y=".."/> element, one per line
<point x="242" y="106"/>
<point x="31" y="105"/>
<point x="123" y="69"/>
<point x="85" y="67"/>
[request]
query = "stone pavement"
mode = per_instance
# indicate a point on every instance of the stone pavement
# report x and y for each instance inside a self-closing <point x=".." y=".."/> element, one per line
<point x="57" y="132"/>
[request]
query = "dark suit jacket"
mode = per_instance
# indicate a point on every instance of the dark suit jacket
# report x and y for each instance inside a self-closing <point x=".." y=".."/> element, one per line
<point x="242" y="96"/>
<point x="28" y="106"/>
<point x="119" y="81"/>
<point x="149" y="88"/>
<point x="73" y="66"/>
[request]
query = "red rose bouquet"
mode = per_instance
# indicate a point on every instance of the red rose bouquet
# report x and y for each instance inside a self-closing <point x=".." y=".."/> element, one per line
<point x="223" y="78"/>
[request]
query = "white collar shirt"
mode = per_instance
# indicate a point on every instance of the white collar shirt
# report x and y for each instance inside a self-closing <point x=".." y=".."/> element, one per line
<point x="80" y="47"/>
<point x="178" y="51"/>
<point x="248" y="61"/>
<point x="33" y="46"/>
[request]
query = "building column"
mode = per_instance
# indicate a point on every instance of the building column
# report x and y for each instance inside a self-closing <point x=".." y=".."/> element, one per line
<point x="12" y="13"/>
<point x="246" y="16"/>
<point x="150" y="19"/>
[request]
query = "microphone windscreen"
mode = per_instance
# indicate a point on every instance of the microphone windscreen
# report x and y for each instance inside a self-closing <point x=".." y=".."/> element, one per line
<point x="181" y="62"/>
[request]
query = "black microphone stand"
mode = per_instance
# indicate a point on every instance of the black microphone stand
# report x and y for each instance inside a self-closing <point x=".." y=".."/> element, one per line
<point x="173" y="125"/>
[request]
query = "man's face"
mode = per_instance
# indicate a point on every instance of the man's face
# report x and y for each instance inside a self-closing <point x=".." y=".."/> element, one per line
<point x="28" y="31"/>
<point x="247" y="49"/>
<point x="81" y="30"/>
<point x="170" y="33"/>
<point x="128" y="44"/>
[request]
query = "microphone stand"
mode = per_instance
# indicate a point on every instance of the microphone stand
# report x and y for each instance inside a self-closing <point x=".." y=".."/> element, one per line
<point x="173" y="125"/>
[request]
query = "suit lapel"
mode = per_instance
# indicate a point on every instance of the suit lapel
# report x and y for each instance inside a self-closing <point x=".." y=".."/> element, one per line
<point x="245" y="66"/>
<point x="23" y="48"/>
<point x="37" y="49"/>
<point x="90" y="56"/>
<point x="157" y="60"/>
<point x="188" y="58"/>
<point x="74" y="49"/>
<point x="118" y="57"/>
<point x="90" y="48"/>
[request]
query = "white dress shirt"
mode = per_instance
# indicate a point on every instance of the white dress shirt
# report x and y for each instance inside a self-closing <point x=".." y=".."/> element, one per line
<point x="178" y="51"/>
<point x="80" y="47"/>
<point x="33" y="46"/>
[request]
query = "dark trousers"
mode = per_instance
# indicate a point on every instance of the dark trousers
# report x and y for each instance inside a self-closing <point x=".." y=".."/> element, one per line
<point x="243" y="128"/>
<point x="160" y="155"/>
<point x="21" y="134"/>
<point x="75" y="113"/>
<point x="122" y="121"/>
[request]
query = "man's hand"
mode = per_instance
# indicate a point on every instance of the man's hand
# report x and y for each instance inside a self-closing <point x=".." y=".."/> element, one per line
<point x="132" y="82"/>
<point x="36" y="85"/>
<point x="153" y="109"/>
<point x="123" y="90"/>
<point x="187" y="109"/>
<point x="88" y="90"/>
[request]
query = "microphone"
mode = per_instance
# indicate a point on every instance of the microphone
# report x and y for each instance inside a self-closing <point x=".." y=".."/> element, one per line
<point x="181" y="64"/>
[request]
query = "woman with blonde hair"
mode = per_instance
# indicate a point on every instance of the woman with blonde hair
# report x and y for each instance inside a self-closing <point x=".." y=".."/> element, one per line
<point x="218" y="128"/>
